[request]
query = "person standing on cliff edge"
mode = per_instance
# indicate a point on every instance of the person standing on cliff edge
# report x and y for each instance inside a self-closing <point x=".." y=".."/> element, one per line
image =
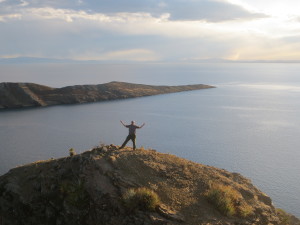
<point x="132" y="133"/>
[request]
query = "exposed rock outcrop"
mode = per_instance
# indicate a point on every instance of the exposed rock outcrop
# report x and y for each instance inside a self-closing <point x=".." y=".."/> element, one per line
<point x="17" y="95"/>
<point x="88" y="189"/>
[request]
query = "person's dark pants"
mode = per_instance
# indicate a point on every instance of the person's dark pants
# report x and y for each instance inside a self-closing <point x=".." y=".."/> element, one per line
<point x="129" y="137"/>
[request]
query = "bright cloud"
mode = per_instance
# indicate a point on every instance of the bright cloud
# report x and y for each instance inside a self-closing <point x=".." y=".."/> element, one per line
<point x="6" y="17"/>
<point x="151" y="30"/>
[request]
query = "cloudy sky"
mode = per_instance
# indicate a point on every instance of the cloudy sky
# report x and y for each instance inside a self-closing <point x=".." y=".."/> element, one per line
<point x="150" y="30"/>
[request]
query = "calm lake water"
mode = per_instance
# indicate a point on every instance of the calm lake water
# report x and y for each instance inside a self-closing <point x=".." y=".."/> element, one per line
<point x="249" y="124"/>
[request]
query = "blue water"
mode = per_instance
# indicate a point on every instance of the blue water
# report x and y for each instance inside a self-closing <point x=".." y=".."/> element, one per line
<point x="248" y="124"/>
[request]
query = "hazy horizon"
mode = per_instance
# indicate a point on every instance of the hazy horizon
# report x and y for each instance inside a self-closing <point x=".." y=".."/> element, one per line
<point x="39" y="60"/>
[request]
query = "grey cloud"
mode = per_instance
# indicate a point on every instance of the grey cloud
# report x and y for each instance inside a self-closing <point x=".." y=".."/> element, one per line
<point x="209" y="10"/>
<point x="42" y="39"/>
<point x="12" y="5"/>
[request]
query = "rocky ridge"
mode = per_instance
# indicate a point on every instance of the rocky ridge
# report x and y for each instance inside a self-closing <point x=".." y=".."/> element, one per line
<point x="88" y="188"/>
<point x="18" y="95"/>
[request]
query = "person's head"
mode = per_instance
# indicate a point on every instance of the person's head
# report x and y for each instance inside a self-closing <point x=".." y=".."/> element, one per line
<point x="132" y="122"/>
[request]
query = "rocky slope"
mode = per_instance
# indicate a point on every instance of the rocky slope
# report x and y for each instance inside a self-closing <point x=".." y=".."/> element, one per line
<point x="16" y="95"/>
<point x="89" y="189"/>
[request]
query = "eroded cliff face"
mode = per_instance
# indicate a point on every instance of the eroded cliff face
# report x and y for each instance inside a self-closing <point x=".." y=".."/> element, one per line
<point x="17" y="95"/>
<point x="89" y="189"/>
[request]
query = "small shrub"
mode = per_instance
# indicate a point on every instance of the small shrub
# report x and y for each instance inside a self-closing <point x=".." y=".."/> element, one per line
<point x="75" y="193"/>
<point x="222" y="201"/>
<point x="72" y="152"/>
<point x="228" y="201"/>
<point x="141" y="198"/>
<point x="244" y="210"/>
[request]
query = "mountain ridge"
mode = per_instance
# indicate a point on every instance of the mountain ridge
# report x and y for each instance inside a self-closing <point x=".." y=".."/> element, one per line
<point x="20" y="95"/>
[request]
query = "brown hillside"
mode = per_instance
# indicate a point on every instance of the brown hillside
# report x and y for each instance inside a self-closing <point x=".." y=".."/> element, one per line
<point x="89" y="189"/>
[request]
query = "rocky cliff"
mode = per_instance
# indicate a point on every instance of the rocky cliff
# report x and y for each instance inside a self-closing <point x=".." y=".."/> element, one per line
<point x="17" y="95"/>
<point x="108" y="186"/>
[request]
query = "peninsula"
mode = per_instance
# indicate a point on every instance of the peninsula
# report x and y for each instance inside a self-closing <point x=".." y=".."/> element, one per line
<point x="19" y="95"/>
<point x="109" y="186"/>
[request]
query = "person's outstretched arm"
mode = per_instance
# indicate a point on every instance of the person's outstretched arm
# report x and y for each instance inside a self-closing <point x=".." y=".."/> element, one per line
<point x="142" y="125"/>
<point x="122" y="123"/>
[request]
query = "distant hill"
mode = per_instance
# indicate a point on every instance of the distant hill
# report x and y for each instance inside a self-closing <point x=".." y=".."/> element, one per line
<point x="38" y="60"/>
<point x="29" y="60"/>
<point x="18" y="95"/>
<point x="108" y="186"/>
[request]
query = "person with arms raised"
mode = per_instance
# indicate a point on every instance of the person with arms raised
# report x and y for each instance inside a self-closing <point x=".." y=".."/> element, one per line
<point x="132" y="133"/>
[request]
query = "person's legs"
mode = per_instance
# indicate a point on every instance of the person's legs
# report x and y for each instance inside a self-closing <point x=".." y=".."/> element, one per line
<point x="133" y="137"/>
<point x="125" y="142"/>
